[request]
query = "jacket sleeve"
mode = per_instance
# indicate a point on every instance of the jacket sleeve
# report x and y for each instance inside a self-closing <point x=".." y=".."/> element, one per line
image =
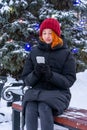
<point x="68" y="76"/>
<point x="28" y="76"/>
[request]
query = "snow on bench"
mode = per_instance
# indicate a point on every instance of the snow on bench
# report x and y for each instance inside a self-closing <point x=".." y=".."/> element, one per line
<point x="72" y="118"/>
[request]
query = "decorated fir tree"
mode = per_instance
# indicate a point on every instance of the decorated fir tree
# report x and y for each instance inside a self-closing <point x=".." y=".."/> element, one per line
<point x="19" y="26"/>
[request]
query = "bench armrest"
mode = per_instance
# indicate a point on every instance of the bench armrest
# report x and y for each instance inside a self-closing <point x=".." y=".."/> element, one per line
<point x="13" y="88"/>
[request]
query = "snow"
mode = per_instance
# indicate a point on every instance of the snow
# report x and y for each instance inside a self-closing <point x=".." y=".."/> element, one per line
<point x="79" y="94"/>
<point x="79" y="91"/>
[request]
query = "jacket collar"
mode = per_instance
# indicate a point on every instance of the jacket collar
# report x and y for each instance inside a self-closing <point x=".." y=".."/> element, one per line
<point x="47" y="47"/>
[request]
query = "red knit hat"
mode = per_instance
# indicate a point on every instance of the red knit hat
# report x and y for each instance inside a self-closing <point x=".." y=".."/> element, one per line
<point x="50" y="23"/>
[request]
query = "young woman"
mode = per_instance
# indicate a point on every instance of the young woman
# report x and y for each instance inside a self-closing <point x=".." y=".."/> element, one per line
<point x="49" y="72"/>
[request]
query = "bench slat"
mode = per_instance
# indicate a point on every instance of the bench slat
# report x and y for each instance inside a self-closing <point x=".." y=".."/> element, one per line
<point x="17" y="106"/>
<point x="75" y="123"/>
<point x="72" y="117"/>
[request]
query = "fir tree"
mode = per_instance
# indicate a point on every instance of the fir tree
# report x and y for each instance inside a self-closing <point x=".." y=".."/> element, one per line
<point x="19" y="26"/>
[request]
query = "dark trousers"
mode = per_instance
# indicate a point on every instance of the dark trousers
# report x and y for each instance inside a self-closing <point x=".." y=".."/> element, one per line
<point x="35" y="109"/>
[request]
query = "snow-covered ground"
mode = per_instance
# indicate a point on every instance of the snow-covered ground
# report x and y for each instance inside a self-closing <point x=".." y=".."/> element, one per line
<point x="79" y="95"/>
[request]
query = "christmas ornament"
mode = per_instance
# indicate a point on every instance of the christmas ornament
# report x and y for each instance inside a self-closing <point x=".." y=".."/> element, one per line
<point x="76" y="2"/>
<point x="75" y="50"/>
<point x="20" y="21"/>
<point x="82" y="22"/>
<point x="27" y="47"/>
<point x="36" y="26"/>
<point x="10" y="40"/>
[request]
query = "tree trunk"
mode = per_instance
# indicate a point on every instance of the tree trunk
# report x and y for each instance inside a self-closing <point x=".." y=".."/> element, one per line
<point x="61" y="4"/>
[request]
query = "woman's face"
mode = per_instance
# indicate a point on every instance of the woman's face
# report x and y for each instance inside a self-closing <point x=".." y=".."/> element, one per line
<point x="47" y="36"/>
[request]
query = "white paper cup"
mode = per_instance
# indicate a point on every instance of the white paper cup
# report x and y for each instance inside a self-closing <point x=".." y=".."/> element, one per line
<point x="40" y="59"/>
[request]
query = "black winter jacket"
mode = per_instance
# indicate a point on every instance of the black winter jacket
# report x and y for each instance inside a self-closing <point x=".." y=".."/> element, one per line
<point x="56" y="91"/>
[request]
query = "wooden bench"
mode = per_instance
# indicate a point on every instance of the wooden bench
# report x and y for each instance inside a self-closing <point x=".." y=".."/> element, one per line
<point x="72" y="118"/>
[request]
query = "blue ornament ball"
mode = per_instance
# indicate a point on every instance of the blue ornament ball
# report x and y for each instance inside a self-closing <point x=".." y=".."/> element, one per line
<point x="75" y="50"/>
<point x="27" y="47"/>
<point x="76" y="2"/>
<point x="82" y="22"/>
<point x="36" y="26"/>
